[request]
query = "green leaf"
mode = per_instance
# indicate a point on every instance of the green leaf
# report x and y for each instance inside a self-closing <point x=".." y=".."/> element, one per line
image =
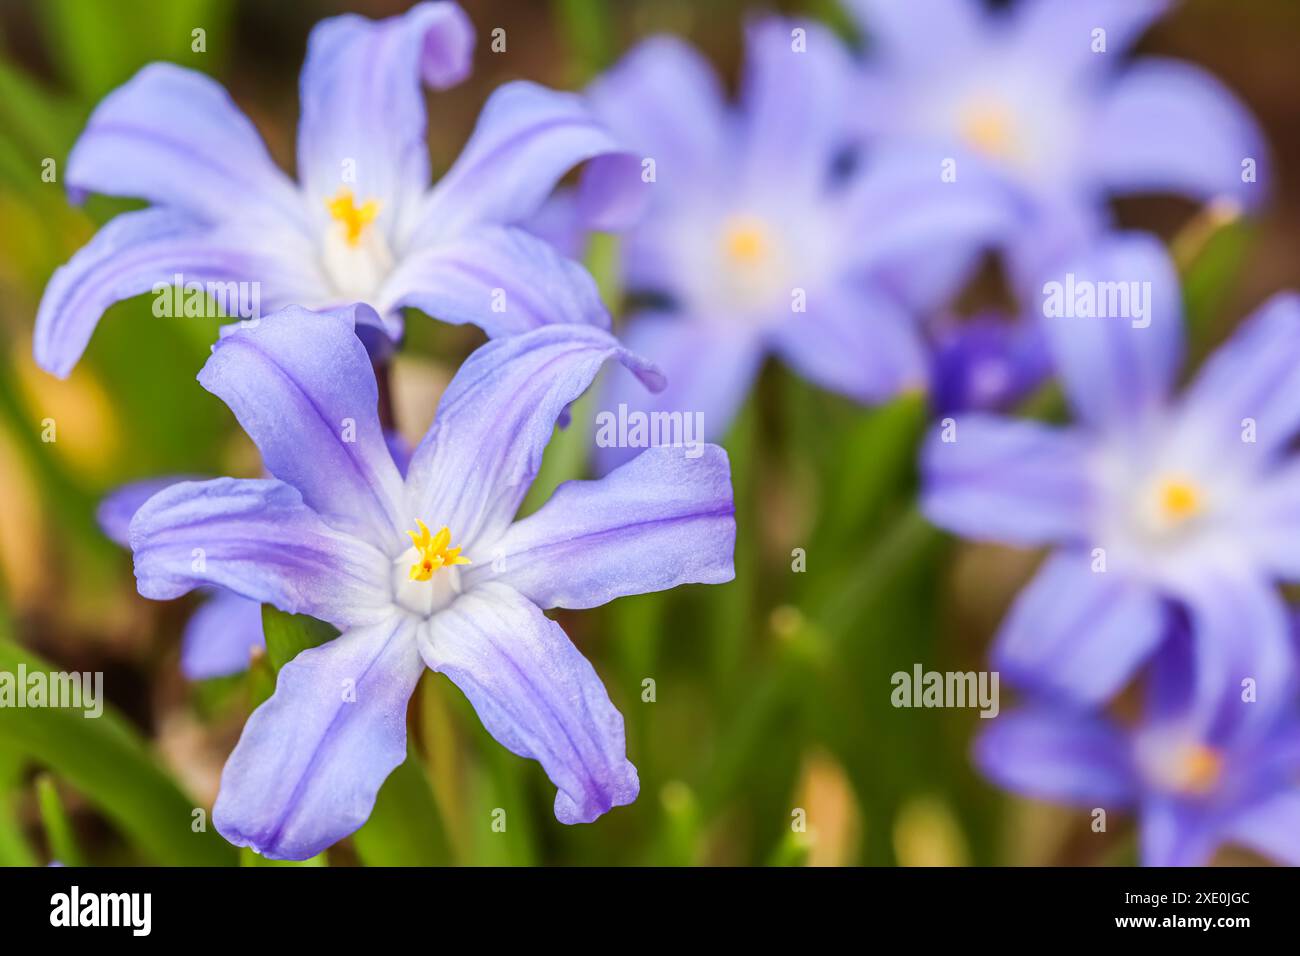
<point x="107" y="762"/>
<point x="287" y="635"/>
<point x="58" y="828"/>
<point x="404" y="829"/>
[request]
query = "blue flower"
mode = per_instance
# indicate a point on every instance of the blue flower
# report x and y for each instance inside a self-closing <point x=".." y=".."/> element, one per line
<point x="1043" y="95"/>
<point x="765" y="233"/>
<point x="1194" y="783"/>
<point x="1151" y="502"/>
<point x="362" y="223"/>
<point x="431" y="570"/>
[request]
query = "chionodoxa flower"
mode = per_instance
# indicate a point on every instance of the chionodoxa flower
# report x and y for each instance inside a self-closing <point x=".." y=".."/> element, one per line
<point x="427" y="571"/>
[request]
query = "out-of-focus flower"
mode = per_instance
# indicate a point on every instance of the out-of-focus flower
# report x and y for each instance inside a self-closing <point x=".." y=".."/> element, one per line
<point x="431" y="570"/>
<point x="1194" y="783"/>
<point x="763" y="230"/>
<point x="1042" y="94"/>
<point x="1151" y="501"/>
<point x="362" y="223"/>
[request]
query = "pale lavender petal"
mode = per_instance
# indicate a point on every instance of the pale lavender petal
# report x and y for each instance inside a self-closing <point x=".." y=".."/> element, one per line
<point x="1059" y="36"/>
<point x="709" y="368"/>
<point x="257" y="539"/>
<point x="482" y="452"/>
<point x="363" y="118"/>
<point x="1079" y="633"/>
<point x="795" y="97"/>
<point x="537" y="695"/>
<point x="920" y="35"/>
<point x="119" y="506"/>
<point x="138" y="251"/>
<point x="661" y="520"/>
<point x="502" y="279"/>
<point x="664" y="100"/>
<point x="1002" y="480"/>
<point x="312" y="758"/>
<point x="1175" y="833"/>
<point x="1271" y="826"/>
<point x="899" y="208"/>
<point x="526" y="140"/>
<point x="1255" y="375"/>
<point x="1170" y="127"/>
<point x="855" y="340"/>
<point x="1060" y="755"/>
<point x="1119" y="368"/>
<point x="174" y="137"/>
<point x="1241" y="632"/>
<point x="302" y="386"/>
<point x="220" y="636"/>
<point x="1270" y="521"/>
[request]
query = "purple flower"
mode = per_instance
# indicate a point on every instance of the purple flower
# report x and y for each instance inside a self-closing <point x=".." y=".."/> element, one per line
<point x="1151" y="502"/>
<point x="1043" y="94"/>
<point x="1194" y="783"/>
<point x="362" y="223"/>
<point x="226" y="629"/>
<point x="427" y="571"/>
<point x="764" y="231"/>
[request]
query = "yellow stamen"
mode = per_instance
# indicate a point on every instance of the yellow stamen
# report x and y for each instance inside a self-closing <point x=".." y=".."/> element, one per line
<point x="1200" y="767"/>
<point x="1180" y="499"/>
<point x="343" y="208"/>
<point x="987" y="126"/>
<point x="745" y="240"/>
<point x="434" y="553"/>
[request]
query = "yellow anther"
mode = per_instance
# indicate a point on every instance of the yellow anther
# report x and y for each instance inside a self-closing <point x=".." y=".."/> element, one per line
<point x="987" y="126"/>
<point x="433" y="550"/>
<point x="746" y="240"/>
<point x="343" y="208"/>
<point x="1180" y="499"/>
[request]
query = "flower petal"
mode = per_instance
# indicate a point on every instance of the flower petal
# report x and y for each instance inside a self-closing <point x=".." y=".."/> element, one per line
<point x="1271" y="827"/>
<point x="1253" y="376"/>
<point x="854" y="340"/>
<point x="999" y="479"/>
<point x="363" y="104"/>
<point x="664" y="100"/>
<point x="119" y="506"/>
<point x="153" y="138"/>
<point x="661" y="520"/>
<point x="1119" y="367"/>
<point x="1171" y="127"/>
<point x="1175" y="833"/>
<point x="526" y="139"/>
<point x="302" y="386"/>
<point x="796" y="89"/>
<point x="919" y="35"/>
<point x="220" y="636"/>
<point x="498" y="278"/>
<point x="258" y="539"/>
<point x="709" y="371"/>
<point x="1240" y="631"/>
<point x="537" y="695"/>
<point x="1058" y="754"/>
<point x="140" y="251"/>
<point x="1079" y="633"/>
<point x="482" y="452"/>
<point x="1059" y="36"/>
<point x="312" y="758"/>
